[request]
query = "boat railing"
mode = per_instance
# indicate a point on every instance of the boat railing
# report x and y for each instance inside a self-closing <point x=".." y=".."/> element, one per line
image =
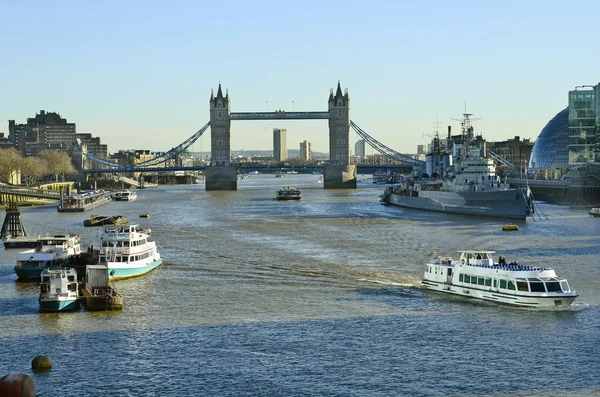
<point x="511" y="267"/>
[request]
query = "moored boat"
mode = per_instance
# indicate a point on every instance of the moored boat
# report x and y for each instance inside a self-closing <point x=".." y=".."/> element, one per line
<point x="594" y="212"/>
<point x="22" y="242"/>
<point x="126" y="251"/>
<point x="97" y="292"/>
<point x="84" y="201"/>
<point x="476" y="275"/>
<point x="58" y="289"/>
<point x="288" y="193"/>
<point x="53" y="251"/>
<point x="124" y="195"/>
<point x="460" y="177"/>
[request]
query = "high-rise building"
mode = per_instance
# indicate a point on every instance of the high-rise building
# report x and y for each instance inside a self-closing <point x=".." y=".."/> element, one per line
<point x="421" y="149"/>
<point x="280" y="144"/>
<point x="305" y="151"/>
<point x="584" y="125"/>
<point x="360" y="150"/>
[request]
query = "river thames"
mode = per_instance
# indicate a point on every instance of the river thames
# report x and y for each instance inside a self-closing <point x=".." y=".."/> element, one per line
<point x="319" y="297"/>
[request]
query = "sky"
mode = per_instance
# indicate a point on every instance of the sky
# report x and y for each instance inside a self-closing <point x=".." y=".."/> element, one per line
<point x="139" y="74"/>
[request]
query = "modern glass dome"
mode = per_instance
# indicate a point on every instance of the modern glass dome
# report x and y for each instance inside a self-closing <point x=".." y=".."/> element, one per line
<point x="551" y="148"/>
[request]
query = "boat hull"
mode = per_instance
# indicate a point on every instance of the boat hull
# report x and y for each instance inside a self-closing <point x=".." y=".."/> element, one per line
<point x="28" y="273"/>
<point x="511" y="204"/>
<point x="58" y="305"/>
<point x="120" y="271"/>
<point x="490" y="295"/>
<point x="102" y="301"/>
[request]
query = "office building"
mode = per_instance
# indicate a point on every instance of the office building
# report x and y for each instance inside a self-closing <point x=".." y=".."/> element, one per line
<point x="280" y="144"/>
<point x="44" y="131"/>
<point x="584" y="125"/>
<point x="305" y="151"/>
<point x="360" y="150"/>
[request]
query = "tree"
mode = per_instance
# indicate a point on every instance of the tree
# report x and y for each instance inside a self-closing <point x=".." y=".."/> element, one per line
<point x="10" y="163"/>
<point x="32" y="168"/>
<point x="57" y="163"/>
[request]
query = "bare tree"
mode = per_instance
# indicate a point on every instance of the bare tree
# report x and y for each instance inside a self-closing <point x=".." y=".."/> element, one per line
<point x="57" y="164"/>
<point x="10" y="163"/>
<point x="32" y="168"/>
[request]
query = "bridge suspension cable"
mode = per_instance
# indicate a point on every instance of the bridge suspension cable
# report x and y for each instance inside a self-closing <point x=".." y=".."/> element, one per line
<point x="174" y="152"/>
<point x="383" y="149"/>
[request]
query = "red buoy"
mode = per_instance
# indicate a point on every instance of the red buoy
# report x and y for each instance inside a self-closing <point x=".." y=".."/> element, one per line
<point x="17" y="385"/>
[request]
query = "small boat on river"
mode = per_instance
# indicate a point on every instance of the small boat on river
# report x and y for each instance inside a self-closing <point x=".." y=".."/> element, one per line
<point x="288" y="193"/>
<point x="99" y="220"/>
<point x="59" y="290"/>
<point x="595" y="212"/>
<point x="124" y="195"/>
<point x="54" y="251"/>
<point x="477" y="275"/>
<point x="126" y="251"/>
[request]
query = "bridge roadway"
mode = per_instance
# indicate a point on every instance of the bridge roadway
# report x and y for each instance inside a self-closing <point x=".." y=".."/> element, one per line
<point x="245" y="168"/>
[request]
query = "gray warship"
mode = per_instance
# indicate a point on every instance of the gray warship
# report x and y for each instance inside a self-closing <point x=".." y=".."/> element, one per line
<point x="460" y="178"/>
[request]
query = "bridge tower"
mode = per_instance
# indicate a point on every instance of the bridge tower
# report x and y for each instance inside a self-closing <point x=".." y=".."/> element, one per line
<point x="339" y="173"/>
<point x="221" y="175"/>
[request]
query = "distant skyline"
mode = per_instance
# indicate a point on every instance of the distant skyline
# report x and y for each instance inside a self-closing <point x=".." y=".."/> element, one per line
<point x="138" y="74"/>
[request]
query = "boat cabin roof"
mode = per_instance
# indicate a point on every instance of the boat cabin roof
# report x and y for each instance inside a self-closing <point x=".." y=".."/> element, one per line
<point x="477" y="252"/>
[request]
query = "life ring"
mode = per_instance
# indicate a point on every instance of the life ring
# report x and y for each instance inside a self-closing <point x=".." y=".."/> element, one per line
<point x="462" y="261"/>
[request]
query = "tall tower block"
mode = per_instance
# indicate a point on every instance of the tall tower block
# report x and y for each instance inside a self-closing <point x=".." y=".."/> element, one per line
<point x="221" y="175"/>
<point x="339" y="173"/>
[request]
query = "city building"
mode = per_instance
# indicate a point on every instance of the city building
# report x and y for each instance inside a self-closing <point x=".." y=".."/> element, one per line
<point x="305" y="151"/>
<point x="93" y="144"/>
<point x="280" y="144"/>
<point x="515" y="151"/>
<point x="550" y="155"/>
<point x="44" y="131"/>
<point x="421" y="150"/>
<point x="360" y="150"/>
<point x="584" y="125"/>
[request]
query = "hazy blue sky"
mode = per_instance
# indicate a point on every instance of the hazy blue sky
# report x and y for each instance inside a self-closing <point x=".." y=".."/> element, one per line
<point x="139" y="74"/>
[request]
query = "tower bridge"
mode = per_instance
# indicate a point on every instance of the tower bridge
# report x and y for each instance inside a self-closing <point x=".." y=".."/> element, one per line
<point x="222" y="173"/>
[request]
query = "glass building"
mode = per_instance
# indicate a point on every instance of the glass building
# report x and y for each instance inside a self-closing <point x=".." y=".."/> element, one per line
<point x="551" y="148"/>
<point x="584" y="125"/>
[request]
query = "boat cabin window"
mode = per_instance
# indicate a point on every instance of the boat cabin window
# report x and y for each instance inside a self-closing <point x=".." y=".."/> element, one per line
<point x="536" y="285"/>
<point x="564" y="285"/>
<point x="522" y="286"/>
<point x="511" y="285"/>
<point x="502" y="283"/>
<point x="553" y="286"/>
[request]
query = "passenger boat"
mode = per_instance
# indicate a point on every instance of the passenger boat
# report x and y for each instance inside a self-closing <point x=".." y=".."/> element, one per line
<point x="124" y="195"/>
<point x="97" y="292"/>
<point x="99" y="220"/>
<point x="58" y="289"/>
<point x="278" y="174"/>
<point x="84" y="201"/>
<point x="53" y="251"/>
<point x="510" y="227"/>
<point x="594" y="212"/>
<point x="288" y="193"/>
<point x="126" y="251"/>
<point x="476" y="275"/>
<point x="144" y="215"/>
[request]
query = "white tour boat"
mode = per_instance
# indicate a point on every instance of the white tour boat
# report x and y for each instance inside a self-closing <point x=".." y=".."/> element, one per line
<point x="124" y="195"/>
<point x="59" y="290"/>
<point x="477" y="275"/>
<point x="53" y="251"/>
<point x="126" y="251"/>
